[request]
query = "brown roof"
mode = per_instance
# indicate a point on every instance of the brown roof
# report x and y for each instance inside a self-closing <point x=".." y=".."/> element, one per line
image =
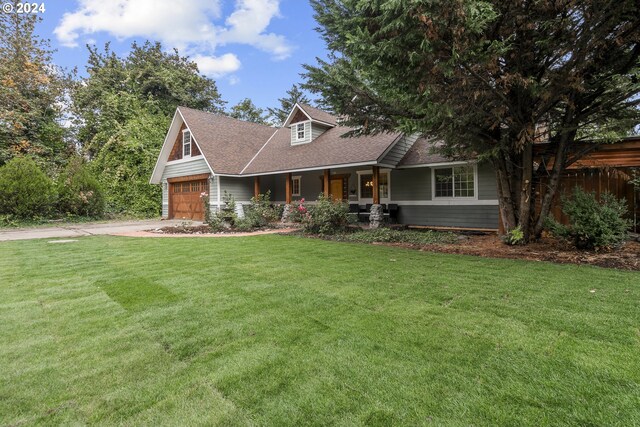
<point x="328" y="149"/>
<point x="319" y="115"/>
<point x="228" y="144"/>
<point x="423" y="152"/>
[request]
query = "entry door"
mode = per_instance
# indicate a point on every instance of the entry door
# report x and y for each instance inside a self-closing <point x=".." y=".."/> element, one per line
<point x="335" y="189"/>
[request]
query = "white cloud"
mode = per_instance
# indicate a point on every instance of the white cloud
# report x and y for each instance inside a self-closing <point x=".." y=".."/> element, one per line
<point x="189" y="25"/>
<point x="233" y="80"/>
<point x="248" y="23"/>
<point x="216" y="66"/>
<point x="165" y="20"/>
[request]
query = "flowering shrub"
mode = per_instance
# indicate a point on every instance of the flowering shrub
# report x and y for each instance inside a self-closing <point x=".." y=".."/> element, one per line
<point x="327" y="216"/>
<point x="297" y="211"/>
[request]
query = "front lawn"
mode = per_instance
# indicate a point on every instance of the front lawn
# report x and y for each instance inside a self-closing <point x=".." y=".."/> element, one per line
<point x="282" y="330"/>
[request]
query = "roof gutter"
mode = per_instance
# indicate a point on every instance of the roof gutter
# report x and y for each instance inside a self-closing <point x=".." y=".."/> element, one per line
<point x="314" y="168"/>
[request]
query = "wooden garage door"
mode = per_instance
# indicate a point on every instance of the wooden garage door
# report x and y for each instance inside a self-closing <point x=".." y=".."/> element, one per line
<point x="185" y="201"/>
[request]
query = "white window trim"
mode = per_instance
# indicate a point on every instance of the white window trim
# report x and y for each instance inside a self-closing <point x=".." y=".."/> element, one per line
<point x="299" y="178"/>
<point x="383" y="200"/>
<point x="454" y="197"/>
<point x="184" y="156"/>
<point x="307" y="138"/>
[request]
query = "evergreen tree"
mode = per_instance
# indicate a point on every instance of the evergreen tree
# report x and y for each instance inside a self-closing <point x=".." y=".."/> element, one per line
<point x="490" y="78"/>
<point x="294" y="95"/>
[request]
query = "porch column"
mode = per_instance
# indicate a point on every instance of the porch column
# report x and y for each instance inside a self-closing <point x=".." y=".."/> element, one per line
<point x="376" y="185"/>
<point x="256" y="186"/>
<point x="327" y="174"/>
<point x="288" y="189"/>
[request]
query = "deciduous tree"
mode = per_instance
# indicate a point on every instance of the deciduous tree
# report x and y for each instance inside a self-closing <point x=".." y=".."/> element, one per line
<point x="31" y="94"/>
<point x="246" y="110"/>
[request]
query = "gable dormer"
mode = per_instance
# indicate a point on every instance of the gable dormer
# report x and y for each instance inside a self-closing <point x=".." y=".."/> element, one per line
<point x="307" y="123"/>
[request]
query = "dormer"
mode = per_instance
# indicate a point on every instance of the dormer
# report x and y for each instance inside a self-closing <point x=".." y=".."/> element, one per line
<point x="307" y="123"/>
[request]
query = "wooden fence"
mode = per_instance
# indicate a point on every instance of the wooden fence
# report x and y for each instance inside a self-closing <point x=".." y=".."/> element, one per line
<point x="599" y="180"/>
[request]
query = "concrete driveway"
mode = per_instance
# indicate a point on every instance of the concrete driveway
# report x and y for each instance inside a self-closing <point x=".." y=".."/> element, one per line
<point x="79" y="230"/>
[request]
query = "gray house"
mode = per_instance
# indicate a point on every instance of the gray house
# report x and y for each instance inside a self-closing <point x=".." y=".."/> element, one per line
<point x="210" y="153"/>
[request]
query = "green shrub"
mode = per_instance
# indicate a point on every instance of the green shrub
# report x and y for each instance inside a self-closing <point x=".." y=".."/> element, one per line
<point x="593" y="224"/>
<point x="25" y="191"/>
<point x="327" y="216"/>
<point x="79" y="192"/>
<point x="260" y="212"/>
<point x="514" y="236"/>
<point x="387" y="235"/>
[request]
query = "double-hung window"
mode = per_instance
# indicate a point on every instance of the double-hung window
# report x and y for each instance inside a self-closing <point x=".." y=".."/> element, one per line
<point x="186" y="144"/>
<point x="300" y="133"/>
<point x="456" y="181"/>
<point x="295" y="185"/>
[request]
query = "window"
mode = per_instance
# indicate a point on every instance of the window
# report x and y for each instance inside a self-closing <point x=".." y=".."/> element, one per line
<point x="300" y="134"/>
<point x="457" y="181"/>
<point x="295" y="185"/>
<point x="366" y="185"/>
<point x="186" y="144"/>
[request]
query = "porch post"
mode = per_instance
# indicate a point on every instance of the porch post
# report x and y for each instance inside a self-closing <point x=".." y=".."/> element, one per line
<point x="288" y="189"/>
<point x="376" y="185"/>
<point x="327" y="173"/>
<point x="256" y="186"/>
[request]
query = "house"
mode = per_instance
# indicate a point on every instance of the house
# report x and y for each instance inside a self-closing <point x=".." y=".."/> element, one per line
<point x="214" y="154"/>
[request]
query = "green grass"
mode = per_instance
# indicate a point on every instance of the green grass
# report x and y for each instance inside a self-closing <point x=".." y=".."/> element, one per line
<point x="281" y="330"/>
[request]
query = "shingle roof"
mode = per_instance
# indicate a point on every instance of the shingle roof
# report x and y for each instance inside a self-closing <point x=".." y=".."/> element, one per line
<point x="328" y="149"/>
<point x="319" y="115"/>
<point x="228" y="144"/>
<point x="422" y="152"/>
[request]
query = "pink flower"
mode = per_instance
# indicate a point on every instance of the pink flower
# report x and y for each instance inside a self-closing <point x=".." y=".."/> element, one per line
<point x="203" y="194"/>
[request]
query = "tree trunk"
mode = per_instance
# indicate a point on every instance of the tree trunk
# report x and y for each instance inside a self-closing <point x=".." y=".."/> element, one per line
<point x="553" y="181"/>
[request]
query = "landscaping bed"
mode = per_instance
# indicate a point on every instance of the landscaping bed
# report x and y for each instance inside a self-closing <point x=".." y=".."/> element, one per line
<point x="206" y="229"/>
<point x="627" y="257"/>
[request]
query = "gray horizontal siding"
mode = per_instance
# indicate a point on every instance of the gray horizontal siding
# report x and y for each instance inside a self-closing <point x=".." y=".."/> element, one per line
<point x="411" y="184"/>
<point x="307" y="133"/>
<point x="399" y="150"/>
<point x="487" y="182"/>
<point x="317" y="130"/>
<point x="450" y="216"/>
<point x="193" y="167"/>
<point x="240" y="188"/>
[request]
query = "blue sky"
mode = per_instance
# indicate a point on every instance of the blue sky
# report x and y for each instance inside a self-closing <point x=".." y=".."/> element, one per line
<point x="252" y="48"/>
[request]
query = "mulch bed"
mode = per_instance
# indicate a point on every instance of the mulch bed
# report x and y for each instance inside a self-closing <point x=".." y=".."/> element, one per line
<point x="626" y="257"/>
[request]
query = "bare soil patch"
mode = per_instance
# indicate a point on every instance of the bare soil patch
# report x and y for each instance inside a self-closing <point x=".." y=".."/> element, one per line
<point x="626" y="257"/>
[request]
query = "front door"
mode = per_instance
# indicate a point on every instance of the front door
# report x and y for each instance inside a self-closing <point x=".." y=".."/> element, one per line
<point x="335" y="189"/>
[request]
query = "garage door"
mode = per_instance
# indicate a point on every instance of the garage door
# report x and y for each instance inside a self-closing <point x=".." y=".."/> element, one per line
<point x="184" y="199"/>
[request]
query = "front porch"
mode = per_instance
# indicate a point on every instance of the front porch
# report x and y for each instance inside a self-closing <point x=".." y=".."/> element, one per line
<point x="364" y="189"/>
